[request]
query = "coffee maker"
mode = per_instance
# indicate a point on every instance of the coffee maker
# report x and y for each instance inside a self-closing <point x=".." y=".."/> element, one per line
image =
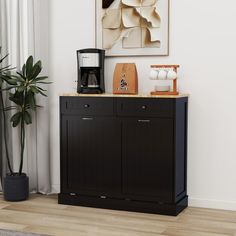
<point x="90" y="71"/>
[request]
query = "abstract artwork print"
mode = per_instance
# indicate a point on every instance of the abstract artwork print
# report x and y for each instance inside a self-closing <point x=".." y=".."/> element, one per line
<point x="132" y="27"/>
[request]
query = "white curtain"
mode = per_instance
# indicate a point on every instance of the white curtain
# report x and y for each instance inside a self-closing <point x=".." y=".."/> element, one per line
<point x="23" y="32"/>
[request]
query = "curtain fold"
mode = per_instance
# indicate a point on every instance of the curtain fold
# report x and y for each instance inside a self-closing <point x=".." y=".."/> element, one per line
<point x="22" y="33"/>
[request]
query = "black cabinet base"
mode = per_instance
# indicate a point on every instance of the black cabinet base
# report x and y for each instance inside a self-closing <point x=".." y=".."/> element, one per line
<point x="121" y="204"/>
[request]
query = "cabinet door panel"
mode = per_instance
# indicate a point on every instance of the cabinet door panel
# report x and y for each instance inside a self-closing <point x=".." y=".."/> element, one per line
<point x="147" y="156"/>
<point x="92" y="154"/>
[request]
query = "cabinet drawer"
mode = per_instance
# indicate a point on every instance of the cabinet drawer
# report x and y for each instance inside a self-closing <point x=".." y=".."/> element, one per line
<point x="154" y="107"/>
<point x="87" y="106"/>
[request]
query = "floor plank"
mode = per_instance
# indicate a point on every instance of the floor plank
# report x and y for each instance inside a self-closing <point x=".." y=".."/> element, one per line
<point x="42" y="214"/>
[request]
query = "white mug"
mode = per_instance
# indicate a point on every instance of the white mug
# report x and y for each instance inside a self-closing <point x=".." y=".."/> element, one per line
<point x="162" y="74"/>
<point x="171" y="75"/>
<point x="153" y="74"/>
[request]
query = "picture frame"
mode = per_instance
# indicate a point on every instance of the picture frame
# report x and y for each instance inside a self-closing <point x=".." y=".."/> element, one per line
<point x="131" y="30"/>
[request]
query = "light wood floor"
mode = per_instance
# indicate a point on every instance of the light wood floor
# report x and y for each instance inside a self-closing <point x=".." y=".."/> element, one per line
<point x="42" y="214"/>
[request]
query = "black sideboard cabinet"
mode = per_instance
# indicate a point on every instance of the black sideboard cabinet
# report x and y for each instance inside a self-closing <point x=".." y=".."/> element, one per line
<point x="124" y="153"/>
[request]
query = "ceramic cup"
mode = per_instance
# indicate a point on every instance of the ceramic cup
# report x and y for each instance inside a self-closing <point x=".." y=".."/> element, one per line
<point x="171" y="75"/>
<point x="162" y="74"/>
<point x="153" y="74"/>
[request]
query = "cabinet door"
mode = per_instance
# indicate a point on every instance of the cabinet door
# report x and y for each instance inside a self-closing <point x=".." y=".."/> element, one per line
<point x="147" y="156"/>
<point x="91" y="155"/>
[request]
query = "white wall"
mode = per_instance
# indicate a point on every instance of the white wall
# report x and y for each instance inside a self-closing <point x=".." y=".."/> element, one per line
<point x="203" y="42"/>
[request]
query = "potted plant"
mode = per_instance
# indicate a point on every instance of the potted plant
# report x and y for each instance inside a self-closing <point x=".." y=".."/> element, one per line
<point x="3" y="71"/>
<point x="23" y="88"/>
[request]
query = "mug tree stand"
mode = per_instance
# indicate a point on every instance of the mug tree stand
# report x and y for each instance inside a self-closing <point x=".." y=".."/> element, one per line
<point x="174" y="92"/>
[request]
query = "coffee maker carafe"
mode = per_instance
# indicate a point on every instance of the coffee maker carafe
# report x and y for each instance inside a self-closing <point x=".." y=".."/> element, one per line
<point x="90" y="70"/>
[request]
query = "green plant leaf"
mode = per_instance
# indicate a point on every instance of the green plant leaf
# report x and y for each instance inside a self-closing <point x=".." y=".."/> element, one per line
<point x="16" y="118"/>
<point x="39" y="63"/>
<point x="5" y="76"/>
<point x="45" y="95"/>
<point x="24" y="70"/>
<point x="10" y="81"/>
<point x="9" y="108"/>
<point x="7" y="70"/>
<point x="2" y="59"/>
<point x="21" y="75"/>
<point x="29" y="66"/>
<point x="38" y="106"/>
<point x="40" y="78"/>
<point x="41" y="89"/>
<point x="35" y="71"/>
<point x="17" y="98"/>
<point x="18" y="78"/>
<point x="44" y="82"/>
<point x="30" y="100"/>
<point x="27" y="118"/>
<point x="34" y="89"/>
<point x="4" y="68"/>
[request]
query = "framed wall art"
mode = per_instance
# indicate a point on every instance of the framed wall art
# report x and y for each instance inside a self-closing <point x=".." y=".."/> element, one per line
<point x="132" y="27"/>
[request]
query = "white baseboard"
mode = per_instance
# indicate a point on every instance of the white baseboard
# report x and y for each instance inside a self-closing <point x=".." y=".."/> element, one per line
<point x="213" y="204"/>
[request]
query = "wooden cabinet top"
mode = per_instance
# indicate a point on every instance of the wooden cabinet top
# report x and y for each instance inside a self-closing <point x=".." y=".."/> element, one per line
<point x="123" y="95"/>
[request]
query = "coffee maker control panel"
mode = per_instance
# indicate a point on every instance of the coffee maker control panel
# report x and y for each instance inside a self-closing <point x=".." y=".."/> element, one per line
<point x="89" y="60"/>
